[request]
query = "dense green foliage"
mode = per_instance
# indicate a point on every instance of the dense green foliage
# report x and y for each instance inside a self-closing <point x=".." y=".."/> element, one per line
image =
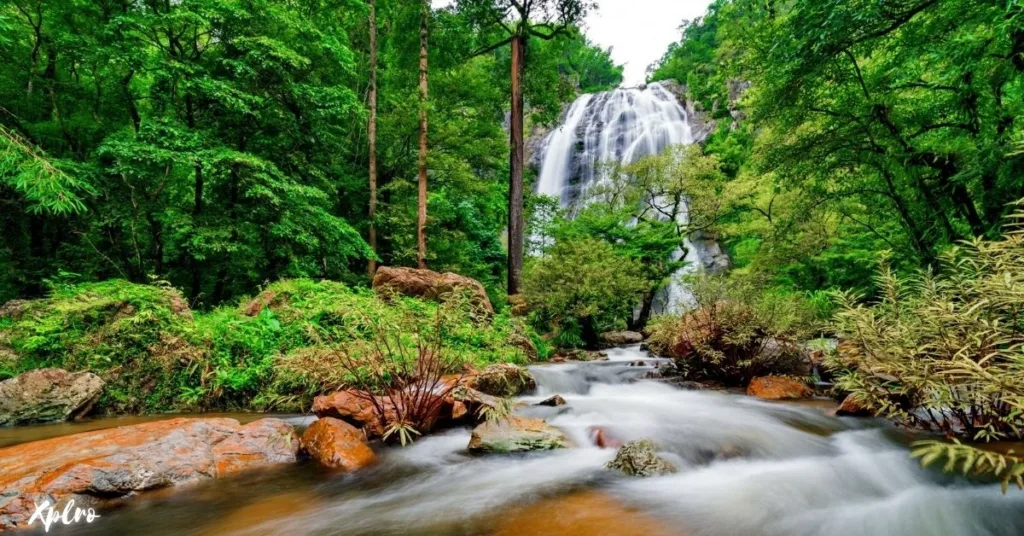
<point x="275" y="351"/>
<point x="218" y="144"/>
<point x="581" y="288"/>
<point x="866" y="126"/>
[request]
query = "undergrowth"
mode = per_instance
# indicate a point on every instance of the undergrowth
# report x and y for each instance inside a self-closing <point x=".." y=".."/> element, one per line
<point x="266" y="353"/>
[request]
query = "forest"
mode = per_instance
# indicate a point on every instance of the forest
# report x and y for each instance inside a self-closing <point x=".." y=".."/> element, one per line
<point x="447" y="242"/>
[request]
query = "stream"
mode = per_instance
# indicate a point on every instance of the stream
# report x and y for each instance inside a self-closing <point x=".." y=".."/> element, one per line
<point x="746" y="467"/>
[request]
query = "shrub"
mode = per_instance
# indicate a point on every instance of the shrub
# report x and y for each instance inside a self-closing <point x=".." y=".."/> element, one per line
<point x="942" y="350"/>
<point x="581" y="288"/>
<point x="735" y="331"/>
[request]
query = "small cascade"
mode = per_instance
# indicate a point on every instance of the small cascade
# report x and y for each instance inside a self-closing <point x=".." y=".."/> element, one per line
<point x="616" y="126"/>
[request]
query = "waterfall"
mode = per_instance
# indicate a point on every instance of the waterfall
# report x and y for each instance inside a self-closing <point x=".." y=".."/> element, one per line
<point x="616" y="126"/>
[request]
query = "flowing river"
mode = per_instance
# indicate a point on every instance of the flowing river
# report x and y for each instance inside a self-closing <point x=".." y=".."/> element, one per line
<point x="746" y="467"/>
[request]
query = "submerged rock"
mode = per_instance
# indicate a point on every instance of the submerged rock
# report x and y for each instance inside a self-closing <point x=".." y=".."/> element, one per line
<point x="504" y="379"/>
<point x="640" y="458"/>
<point x="778" y="388"/>
<point x="431" y="285"/>
<point x="581" y="513"/>
<point x="47" y="395"/>
<point x="622" y="338"/>
<point x="337" y="444"/>
<point x="553" y="400"/>
<point x="116" y="462"/>
<point x="516" y="434"/>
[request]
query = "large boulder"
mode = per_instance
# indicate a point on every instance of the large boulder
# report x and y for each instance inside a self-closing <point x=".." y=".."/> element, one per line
<point x="503" y="379"/>
<point x="622" y="338"/>
<point x="337" y="444"/>
<point x="640" y="458"/>
<point x="516" y="434"/>
<point x="355" y="408"/>
<point x="117" y="462"/>
<point x="778" y="388"/>
<point x="47" y="395"/>
<point x="361" y="409"/>
<point x="431" y="285"/>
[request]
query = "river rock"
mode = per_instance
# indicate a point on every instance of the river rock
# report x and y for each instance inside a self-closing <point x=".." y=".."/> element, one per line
<point x="503" y="379"/>
<point x="455" y="406"/>
<point x="47" y="395"/>
<point x="117" y="462"/>
<point x="431" y="285"/>
<point x="553" y="400"/>
<point x="778" y="388"/>
<point x="852" y="408"/>
<point x="621" y="338"/>
<point x="337" y="444"/>
<point x="355" y="408"/>
<point x="516" y="434"/>
<point x="640" y="458"/>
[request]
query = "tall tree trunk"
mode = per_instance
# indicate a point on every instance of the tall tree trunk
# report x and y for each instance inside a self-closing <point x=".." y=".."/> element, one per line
<point x="516" y="221"/>
<point x="421" y="225"/>
<point x="372" y="135"/>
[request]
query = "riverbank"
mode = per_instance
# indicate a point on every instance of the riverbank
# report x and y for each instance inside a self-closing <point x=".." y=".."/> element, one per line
<point x="744" y="466"/>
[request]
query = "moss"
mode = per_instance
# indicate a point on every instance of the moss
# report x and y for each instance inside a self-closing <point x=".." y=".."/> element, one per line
<point x="274" y="351"/>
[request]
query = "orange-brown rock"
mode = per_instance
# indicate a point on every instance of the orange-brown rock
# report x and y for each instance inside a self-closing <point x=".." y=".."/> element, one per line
<point x="778" y="388"/>
<point x="585" y="514"/>
<point x="266" y="299"/>
<point x="851" y="408"/>
<point x="116" y="462"/>
<point x="337" y="444"/>
<point x="359" y="410"/>
<point x="431" y="285"/>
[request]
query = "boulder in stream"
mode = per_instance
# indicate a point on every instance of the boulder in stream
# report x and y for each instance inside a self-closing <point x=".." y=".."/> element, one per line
<point x="850" y="407"/>
<point x="116" y="462"/>
<point x="337" y="444"/>
<point x="502" y="379"/>
<point x="640" y="458"/>
<point x="553" y="400"/>
<point x="778" y="388"/>
<point x="47" y="395"/>
<point x="516" y="434"/>
<point x="621" y="338"/>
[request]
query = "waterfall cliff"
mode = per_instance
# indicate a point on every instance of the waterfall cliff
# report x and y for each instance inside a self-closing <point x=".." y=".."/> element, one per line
<point x="619" y="126"/>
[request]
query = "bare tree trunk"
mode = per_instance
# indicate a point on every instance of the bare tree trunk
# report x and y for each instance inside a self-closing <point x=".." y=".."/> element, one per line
<point x="372" y="135"/>
<point x="516" y="221"/>
<point x="421" y="225"/>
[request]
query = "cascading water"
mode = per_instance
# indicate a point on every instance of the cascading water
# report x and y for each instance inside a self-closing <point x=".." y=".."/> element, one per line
<point x="617" y="126"/>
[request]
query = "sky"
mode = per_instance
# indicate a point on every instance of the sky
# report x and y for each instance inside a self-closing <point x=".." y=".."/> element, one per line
<point x="638" y="31"/>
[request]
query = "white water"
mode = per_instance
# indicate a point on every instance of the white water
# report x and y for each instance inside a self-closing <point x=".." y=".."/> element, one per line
<point x="791" y="470"/>
<point x="618" y="126"/>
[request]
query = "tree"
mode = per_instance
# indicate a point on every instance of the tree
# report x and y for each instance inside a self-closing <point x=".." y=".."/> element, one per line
<point x="371" y="134"/>
<point x="421" y="220"/>
<point x="517" y="21"/>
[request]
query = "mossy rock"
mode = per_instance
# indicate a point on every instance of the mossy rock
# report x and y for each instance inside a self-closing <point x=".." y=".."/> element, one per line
<point x="516" y="434"/>
<point x="640" y="458"/>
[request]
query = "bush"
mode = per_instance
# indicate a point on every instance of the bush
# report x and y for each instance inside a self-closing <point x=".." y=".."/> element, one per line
<point x="942" y="351"/>
<point x="581" y="288"/>
<point x="735" y="331"/>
